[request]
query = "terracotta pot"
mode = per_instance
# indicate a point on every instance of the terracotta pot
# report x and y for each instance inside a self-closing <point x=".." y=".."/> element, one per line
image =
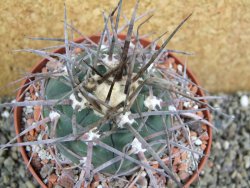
<point x="42" y="63"/>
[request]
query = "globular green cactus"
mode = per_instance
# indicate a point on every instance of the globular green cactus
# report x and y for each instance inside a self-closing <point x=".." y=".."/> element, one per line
<point x="120" y="100"/>
<point x="146" y="98"/>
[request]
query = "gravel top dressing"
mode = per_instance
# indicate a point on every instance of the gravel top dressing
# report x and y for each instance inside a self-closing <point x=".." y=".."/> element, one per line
<point x="229" y="164"/>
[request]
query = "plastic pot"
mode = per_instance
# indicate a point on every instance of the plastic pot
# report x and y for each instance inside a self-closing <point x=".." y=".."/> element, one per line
<point x="37" y="68"/>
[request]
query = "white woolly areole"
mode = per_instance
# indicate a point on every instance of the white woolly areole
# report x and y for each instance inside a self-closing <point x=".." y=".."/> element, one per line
<point x="137" y="146"/>
<point x="244" y="101"/>
<point x="104" y="47"/>
<point x="92" y="135"/>
<point x="75" y="103"/>
<point x="65" y="71"/>
<point x="54" y="115"/>
<point x="151" y="102"/>
<point x="187" y="104"/>
<point x="171" y="108"/>
<point x="110" y="63"/>
<point x="89" y="136"/>
<point x="83" y="161"/>
<point x="151" y="68"/>
<point x="123" y="119"/>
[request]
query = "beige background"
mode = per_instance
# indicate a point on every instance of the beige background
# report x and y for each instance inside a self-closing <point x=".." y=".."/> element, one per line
<point x="218" y="33"/>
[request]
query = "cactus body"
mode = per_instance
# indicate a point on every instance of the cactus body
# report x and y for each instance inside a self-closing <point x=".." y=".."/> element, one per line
<point x="120" y="138"/>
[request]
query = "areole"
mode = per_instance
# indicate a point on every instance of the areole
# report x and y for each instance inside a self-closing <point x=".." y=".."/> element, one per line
<point x="42" y="63"/>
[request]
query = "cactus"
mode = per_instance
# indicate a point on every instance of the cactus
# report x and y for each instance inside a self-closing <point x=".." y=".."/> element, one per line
<point x="108" y="85"/>
<point x="87" y="116"/>
<point x="113" y="101"/>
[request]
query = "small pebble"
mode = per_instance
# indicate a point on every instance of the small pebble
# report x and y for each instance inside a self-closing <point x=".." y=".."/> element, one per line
<point x="179" y="68"/>
<point x="247" y="161"/>
<point x="226" y="145"/>
<point x="183" y="166"/>
<point x="6" y="179"/>
<point x="5" y="114"/>
<point x="29" y="184"/>
<point x="203" y="146"/>
<point x="183" y="175"/>
<point x="244" y="101"/>
<point x="9" y="164"/>
<point x="198" y="142"/>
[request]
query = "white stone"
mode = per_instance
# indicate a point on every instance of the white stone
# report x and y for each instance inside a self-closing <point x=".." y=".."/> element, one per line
<point x="198" y="142"/>
<point x="5" y="114"/>
<point x="78" y="104"/>
<point x="187" y="104"/>
<point x="29" y="109"/>
<point x="247" y="161"/>
<point x="193" y="138"/>
<point x="244" y="101"/>
<point x="196" y="107"/>
<point x="104" y="47"/>
<point x="196" y="157"/>
<point x="110" y="63"/>
<point x="226" y="145"/>
<point x="54" y="115"/>
<point x="171" y="108"/>
<point x="180" y="68"/>
<point x="35" y="148"/>
<point x="218" y="145"/>
<point x="137" y="146"/>
<point x="124" y="119"/>
<point x="27" y="148"/>
<point x="43" y="154"/>
<point x="152" y="102"/>
<point x="40" y="137"/>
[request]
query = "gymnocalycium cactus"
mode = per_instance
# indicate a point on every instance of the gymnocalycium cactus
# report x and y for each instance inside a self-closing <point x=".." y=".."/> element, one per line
<point x="112" y="101"/>
<point x="119" y="99"/>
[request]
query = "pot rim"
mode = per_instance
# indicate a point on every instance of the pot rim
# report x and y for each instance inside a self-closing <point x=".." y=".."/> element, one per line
<point x="95" y="38"/>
